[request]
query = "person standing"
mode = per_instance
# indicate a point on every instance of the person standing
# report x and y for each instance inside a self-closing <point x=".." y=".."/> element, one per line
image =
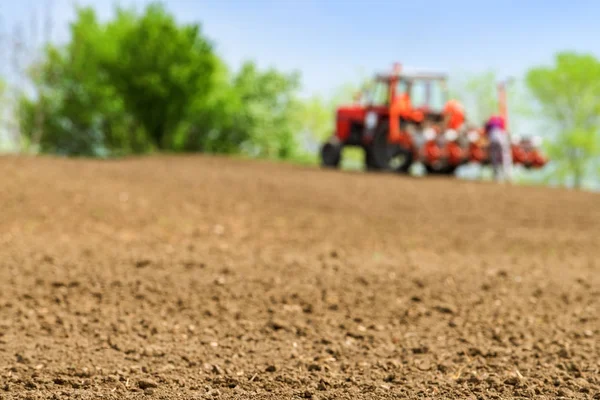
<point x="499" y="149"/>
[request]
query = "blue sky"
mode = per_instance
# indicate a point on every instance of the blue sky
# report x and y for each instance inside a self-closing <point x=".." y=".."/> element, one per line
<point x="331" y="42"/>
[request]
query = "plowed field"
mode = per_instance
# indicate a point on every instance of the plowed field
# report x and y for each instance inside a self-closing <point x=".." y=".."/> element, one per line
<point x="199" y="277"/>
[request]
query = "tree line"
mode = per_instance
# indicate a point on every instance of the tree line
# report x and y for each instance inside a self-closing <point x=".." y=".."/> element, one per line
<point x="142" y="82"/>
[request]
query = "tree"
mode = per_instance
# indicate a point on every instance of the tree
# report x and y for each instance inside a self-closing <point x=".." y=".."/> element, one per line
<point x="159" y="69"/>
<point x="141" y="82"/>
<point x="268" y="119"/>
<point x="83" y="112"/>
<point x="253" y="112"/>
<point x="568" y="93"/>
<point x="125" y="86"/>
<point x="213" y="124"/>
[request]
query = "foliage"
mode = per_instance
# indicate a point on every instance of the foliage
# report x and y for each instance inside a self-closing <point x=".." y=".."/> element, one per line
<point x="142" y="81"/>
<point x="318" y="118"/>
<point x="211" y="124"/>
<point x="78" y="111"/>
<point x="159" y="68"/>
<point x="568" y="93"/>
<point x="269" y="116"/>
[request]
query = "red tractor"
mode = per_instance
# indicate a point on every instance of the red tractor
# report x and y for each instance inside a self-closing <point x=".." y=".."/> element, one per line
<point x="395" y="120"/>
<point x="406" y="118"/>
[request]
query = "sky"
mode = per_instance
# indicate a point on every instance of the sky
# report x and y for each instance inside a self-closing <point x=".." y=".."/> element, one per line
<point x="333" y="42"/>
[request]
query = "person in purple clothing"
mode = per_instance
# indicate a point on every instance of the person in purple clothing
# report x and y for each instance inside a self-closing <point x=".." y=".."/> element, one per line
<point x="499" y="148"/>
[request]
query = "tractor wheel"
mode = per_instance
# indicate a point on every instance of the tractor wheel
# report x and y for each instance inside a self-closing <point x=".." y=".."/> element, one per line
<point x="445" y="170"/>
<point x="331" y="155"/>
<point x="387" y="156"/>
<point x="451" y="170"/>
<point x="370" y="164"/>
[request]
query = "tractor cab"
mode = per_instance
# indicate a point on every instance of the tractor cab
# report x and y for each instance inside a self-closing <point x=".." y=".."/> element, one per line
<point x="419" y="113"/>
<point x="418" y="96"/>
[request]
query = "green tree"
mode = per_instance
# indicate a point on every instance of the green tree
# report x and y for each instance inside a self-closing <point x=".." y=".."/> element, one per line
<point x="568" y="93"/>
<point x="268" y="120"/>
<point x="119" y="87"/>
<point x="253" y="112"/>
<point x="213" y="125"/>
<point x="77" y="110"/>
<point x="141" y="81"/>
<point x="159" y="69"/>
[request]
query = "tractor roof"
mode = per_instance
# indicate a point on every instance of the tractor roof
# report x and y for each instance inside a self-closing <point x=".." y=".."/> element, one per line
<point x="427" y="76"/>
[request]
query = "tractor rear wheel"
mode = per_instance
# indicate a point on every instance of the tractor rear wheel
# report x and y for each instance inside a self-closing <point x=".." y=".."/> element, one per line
<point x="388" y="156"/>
<point x="331" y="154"/>
<point x="370" y="164"/>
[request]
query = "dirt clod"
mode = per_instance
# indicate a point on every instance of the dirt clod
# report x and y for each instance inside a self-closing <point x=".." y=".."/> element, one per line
<point x="147" y="384"/>
<point x="564" y="353"/>
<point x="142" y="263"/>
<point x="420" y="350"/>
<point x="512" y="380"/>
<point x="278" y="325"/>
<point x="446" y="309"/>
<point x="314" y="367"/>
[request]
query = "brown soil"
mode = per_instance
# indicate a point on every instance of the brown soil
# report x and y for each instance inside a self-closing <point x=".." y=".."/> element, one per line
<point x="198" y="277"/>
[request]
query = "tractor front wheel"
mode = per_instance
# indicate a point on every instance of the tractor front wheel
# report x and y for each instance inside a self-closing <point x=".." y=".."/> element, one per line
<point x="331" y="154"/>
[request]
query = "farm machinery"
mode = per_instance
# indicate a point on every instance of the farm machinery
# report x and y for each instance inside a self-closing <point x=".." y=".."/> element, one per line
<point x="407" y="118"/>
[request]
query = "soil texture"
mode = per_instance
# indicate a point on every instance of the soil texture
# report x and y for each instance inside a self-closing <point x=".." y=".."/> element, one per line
<point x="200" y="277"/>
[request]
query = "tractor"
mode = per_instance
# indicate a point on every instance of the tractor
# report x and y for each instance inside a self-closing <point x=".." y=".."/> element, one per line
<point x="393" y="121"/>
<point x="405" y="118"/>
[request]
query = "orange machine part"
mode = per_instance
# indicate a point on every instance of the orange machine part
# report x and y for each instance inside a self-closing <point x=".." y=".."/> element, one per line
<point x="455" y="153"/>
<point x="537" y="159"/>
<point x="432" y="152"/>
<point x="454" y="113"/>
<point x="400" y="107"/>
<point x="519" y="155"/>
<point x="477" y="153"/>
